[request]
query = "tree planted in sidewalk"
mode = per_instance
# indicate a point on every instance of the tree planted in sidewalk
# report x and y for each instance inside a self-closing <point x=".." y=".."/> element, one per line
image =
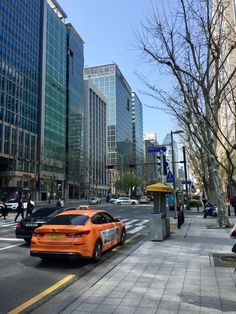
<point x="194" y="42"/>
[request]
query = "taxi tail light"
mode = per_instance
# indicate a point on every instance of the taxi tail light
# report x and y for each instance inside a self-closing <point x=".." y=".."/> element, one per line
<point x="38" y="234"/>
<point x="79" y="234"/>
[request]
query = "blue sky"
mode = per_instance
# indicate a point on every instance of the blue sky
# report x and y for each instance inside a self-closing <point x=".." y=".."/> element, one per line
<point x="107" y="28"/>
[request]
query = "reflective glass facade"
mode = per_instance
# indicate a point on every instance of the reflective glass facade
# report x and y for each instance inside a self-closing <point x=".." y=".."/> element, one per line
<point x="137" y="123"/>
<point x="55" y="94"/>
<point x="75" y="108"/>
<point x="19" y="88"/>
<point x="110" y="81"/>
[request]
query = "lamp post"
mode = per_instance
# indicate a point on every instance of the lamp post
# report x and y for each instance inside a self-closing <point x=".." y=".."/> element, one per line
<point x="173" y="168"/>
<point x="185" y="176"/>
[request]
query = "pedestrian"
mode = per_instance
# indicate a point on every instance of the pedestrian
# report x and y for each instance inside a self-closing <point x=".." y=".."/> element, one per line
<point x="62" y="202"/>
<point x="58" y="203"/>
<point x="30" y="207"/>
<point x="4" y="209"/>
<point x="19" y="210"/>
<point x="234" y="204"/>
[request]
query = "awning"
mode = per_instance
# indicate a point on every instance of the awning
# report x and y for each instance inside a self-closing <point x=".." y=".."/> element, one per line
<point x="159" y="187"/>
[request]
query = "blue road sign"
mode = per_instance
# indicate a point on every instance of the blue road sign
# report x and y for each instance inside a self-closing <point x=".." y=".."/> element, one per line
<point x="157" y="149"/>
<point x="169" y="177"/>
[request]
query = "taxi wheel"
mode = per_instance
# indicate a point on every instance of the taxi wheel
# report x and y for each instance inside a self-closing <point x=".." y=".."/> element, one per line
<point x="122" y="237"/>
<point x="97" y="252"/>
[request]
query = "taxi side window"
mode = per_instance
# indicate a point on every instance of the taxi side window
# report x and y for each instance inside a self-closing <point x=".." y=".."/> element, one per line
<point x="107" y="218"/>
<point x="97" y="219"/>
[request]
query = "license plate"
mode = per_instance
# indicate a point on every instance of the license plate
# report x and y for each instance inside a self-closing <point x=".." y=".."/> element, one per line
<point x="31" y="224"/>
<point x="53" y="236"/>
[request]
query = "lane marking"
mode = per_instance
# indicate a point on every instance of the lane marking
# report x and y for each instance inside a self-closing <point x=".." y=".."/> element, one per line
<point x="127" y="241"/>
<point x="135" y="229"/>
<point x="131" y="221"/>
<point x="41" y="295"/>
<point x="9" y="247"/>
<point x="11" y="239"/>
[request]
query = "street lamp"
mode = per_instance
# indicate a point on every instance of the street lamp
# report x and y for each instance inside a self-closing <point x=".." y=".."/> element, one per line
<point x="173" y="167"/>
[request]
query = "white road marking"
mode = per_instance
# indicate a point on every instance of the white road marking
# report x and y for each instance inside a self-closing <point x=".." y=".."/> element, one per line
<point x="142" y="222"/>
<point x="131" y="221"/>
<point x="11" y="239"/>
<point x="135" y="230"/>
<point x="9" y="247"/>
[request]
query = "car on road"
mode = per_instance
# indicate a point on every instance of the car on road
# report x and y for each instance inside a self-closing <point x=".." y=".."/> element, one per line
<point x="85" y="207"/>
<point x="13" y="203"/>
<point x="144" y="200"/>
<point x="25" y="227"/>
<point x="125" y="201"/>
<point x="113" y="198"/>
<point x="94" y="201"/>
<point x="78" y="234"/>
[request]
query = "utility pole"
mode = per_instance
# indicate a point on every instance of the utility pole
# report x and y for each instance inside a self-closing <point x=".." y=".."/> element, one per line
<point x="185" y="176"/>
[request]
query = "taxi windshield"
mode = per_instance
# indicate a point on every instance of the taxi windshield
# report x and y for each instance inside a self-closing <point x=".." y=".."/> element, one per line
<point x="76" y="220"/>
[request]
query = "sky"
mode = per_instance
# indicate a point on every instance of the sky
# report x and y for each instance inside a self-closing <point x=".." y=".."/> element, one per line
<point x="108" y="30"/>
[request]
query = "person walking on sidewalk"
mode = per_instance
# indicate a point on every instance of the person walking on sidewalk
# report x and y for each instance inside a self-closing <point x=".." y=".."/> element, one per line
<point x="4" y="209"/>
<point x="19" y="210"/>
<point x="30" y="207"/>
<point x="234" y="204"/>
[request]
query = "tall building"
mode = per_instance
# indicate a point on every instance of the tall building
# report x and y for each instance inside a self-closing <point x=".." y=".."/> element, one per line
<point x="95" y="141"/>
<point x="20" y="34"/>
<point x="111" y="82"/>
<point x="75" y="171"/>
<point x="151" y="170"/>
<point x="137" y="125"/>
<point x="53" y="105"/>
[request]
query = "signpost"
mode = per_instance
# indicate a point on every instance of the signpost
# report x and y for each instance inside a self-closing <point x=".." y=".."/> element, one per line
<point x="170" y="178"/>
<point x="157" y="149"/>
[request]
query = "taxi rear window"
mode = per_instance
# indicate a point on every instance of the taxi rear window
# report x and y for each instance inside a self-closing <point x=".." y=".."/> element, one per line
<point x="75" y="220"/>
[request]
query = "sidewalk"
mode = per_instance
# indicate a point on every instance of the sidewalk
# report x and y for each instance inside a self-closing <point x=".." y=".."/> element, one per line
<point x="177" y="275"/>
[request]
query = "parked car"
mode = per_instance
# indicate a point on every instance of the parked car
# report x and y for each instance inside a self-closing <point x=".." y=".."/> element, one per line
<point x="25" y="227"/>
<point x="144" y="199"/>
<point x="94" y="201"/>
<point x="78" y="234"/>
<point x="126" y="201"/>
<point x="13" y="203"/>
<point x="113" y="198"/>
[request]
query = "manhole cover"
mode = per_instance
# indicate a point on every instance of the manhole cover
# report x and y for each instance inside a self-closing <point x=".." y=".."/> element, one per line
<point x="224" y="260"/>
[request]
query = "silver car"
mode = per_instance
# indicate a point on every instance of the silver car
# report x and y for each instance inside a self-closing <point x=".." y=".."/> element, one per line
<point x="126" y="201"/>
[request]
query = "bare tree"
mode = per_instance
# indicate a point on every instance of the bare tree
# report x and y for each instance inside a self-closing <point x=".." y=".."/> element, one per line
<point x="194" y="43"/>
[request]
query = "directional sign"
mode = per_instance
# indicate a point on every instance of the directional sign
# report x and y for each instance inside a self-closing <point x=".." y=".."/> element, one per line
<point x="169" y="178"/>
<point x="157" y="149"/>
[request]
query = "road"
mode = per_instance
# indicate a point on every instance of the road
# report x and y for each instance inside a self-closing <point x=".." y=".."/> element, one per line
<point x="23" y="277"/>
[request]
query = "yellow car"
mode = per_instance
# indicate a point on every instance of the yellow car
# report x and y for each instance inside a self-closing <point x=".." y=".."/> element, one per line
<point x="78" y="234"/>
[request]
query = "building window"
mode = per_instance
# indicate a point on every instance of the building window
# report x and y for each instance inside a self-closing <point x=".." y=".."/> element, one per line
<point x="128" y="106"/>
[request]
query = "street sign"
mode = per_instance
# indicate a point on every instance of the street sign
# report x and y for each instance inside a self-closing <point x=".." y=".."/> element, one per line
<point x="169" y="178"/>
<point x="157" y="149"/>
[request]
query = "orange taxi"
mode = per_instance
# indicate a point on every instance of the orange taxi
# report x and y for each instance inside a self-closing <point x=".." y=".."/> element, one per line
<point x="78" y="234"/>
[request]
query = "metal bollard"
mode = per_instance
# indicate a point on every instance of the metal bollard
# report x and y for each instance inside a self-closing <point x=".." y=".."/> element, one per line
<point x="178" y="220"/>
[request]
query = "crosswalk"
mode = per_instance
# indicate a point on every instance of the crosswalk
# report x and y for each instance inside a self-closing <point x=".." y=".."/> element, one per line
<point x="132" y="225"/>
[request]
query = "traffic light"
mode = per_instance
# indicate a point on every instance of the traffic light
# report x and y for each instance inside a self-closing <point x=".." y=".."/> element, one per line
<point x="164" y="165"/>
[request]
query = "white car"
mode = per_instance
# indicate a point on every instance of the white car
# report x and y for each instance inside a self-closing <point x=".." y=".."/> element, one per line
<point x="12" y="204"/>
<point x="126" y="201"/>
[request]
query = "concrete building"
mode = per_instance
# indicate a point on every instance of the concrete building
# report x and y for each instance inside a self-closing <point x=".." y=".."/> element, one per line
<point x="95" y="141"/>
<point x="151" y="169"/>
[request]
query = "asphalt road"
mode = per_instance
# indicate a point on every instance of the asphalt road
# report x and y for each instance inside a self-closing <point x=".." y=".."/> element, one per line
<point x="23" y="277"/>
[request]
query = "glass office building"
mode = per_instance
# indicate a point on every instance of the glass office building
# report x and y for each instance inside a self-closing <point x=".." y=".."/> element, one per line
<point x="137" y="124"/>
<point x="19" y="93"/>
<point x="76" y="171"/>
<point x="111" y="82"/>
<point x="53" y="123"/>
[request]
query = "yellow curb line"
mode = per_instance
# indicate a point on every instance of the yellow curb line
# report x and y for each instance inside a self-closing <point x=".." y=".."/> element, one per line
<point x="134" y="236"/>
<point x="41" y="295"/>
